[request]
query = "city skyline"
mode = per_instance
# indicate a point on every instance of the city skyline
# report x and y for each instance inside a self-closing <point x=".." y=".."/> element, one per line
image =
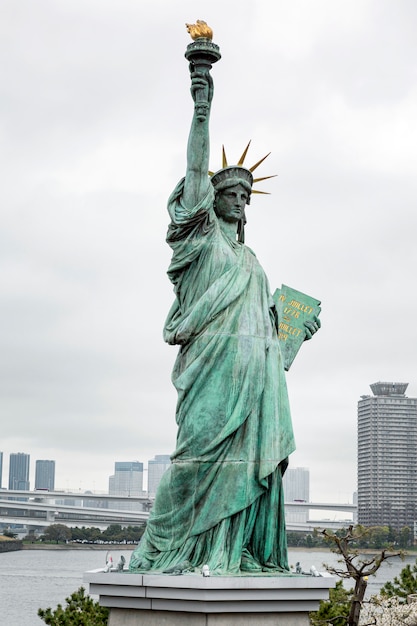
<point x="94" y="141"/>
<point x="43" y="472"/>
<point x="129" y="478"/>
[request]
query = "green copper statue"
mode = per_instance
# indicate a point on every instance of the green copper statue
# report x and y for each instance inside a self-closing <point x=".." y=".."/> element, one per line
<point x="220" y="504"/>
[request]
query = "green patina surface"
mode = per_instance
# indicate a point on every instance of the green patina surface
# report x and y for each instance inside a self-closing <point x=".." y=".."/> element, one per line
<point x="221" y="502"/>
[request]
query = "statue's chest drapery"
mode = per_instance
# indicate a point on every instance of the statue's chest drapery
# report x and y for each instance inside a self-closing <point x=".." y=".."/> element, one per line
<point x="224" y="287"/>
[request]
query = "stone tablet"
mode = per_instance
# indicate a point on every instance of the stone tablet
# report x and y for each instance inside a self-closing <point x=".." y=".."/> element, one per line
<point x="294" y="308"/>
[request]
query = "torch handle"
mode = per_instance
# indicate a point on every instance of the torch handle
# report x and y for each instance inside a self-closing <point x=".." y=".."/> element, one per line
<point x="202" y="104"/>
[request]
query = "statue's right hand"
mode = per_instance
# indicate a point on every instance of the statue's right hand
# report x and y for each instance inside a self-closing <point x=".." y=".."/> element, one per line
<point x="311" y="327"/>
<point x="201" y="84"/>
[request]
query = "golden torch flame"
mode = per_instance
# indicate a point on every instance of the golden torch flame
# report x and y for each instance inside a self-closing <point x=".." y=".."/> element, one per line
<point x="200" y="29"/>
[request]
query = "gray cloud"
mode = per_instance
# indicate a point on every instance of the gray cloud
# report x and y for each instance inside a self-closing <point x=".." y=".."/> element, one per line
<point x="94" y="116"/>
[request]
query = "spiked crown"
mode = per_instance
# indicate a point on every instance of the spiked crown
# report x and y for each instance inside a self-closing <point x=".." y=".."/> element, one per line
<point x="231" y="175"/>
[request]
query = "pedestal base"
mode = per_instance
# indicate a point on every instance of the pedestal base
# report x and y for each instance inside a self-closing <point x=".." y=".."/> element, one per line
<point x="130" y="617"/>
<point x="192" y="600"/>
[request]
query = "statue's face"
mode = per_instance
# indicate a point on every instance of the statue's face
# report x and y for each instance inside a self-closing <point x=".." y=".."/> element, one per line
<point x="231" y="202"/>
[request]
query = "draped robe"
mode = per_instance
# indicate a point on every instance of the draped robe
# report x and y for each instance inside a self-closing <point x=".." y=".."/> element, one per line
<point x="222" y="495"/>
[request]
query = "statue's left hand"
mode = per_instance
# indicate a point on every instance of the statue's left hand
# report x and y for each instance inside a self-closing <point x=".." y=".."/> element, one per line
<point x="311" y="327"/>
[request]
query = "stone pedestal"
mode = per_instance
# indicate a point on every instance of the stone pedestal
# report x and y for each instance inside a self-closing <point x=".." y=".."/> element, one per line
<point x="192" y="600"/>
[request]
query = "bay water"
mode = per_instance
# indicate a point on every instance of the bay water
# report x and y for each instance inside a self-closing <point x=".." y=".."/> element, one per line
<point x="33" y="579"/>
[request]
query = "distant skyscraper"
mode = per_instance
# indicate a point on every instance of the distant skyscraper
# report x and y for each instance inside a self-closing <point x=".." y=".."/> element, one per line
<point x="1" y="468"/>
<point x="127" y="479"/>
<point x="156" y="468"/>
<point x="296" y="484"/>
<point x="19" y="471"/>
<point x="387" y="457"/>
<point x="45" y="475"/>
<point x="355" y="501"/>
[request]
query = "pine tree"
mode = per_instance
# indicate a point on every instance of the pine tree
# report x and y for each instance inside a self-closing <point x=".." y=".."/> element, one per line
<point x="336" y="609"/>
<point x="81" y="610"/>
<point x="402" y="585"/>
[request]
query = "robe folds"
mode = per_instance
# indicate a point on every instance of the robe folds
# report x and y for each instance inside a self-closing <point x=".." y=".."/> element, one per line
<point x="222" y="496"/>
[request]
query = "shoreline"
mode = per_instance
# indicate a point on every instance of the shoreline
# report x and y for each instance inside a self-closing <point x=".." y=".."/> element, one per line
<point x="78" y="546"/>
<point x="121" y="546"/>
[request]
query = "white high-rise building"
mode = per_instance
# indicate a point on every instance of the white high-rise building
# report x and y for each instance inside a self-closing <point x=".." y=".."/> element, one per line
<point x="387" y="457"/>
<point x="45" y="475"/>
<point x="19" y="471"/>
<point x="156" y="468"/>
<point x="127" y="481"/>
<point x="296" y="484"/>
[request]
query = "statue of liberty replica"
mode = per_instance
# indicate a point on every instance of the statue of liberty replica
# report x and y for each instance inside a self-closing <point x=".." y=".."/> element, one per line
<point x="220" y="504"/>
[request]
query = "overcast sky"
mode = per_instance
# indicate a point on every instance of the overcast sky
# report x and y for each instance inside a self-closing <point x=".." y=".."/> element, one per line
<point x="94" y="117"/>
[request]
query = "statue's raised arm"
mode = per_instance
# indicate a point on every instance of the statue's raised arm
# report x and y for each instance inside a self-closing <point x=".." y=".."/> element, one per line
<point x="201" y="54"/>
<point x="198" y="148"/>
